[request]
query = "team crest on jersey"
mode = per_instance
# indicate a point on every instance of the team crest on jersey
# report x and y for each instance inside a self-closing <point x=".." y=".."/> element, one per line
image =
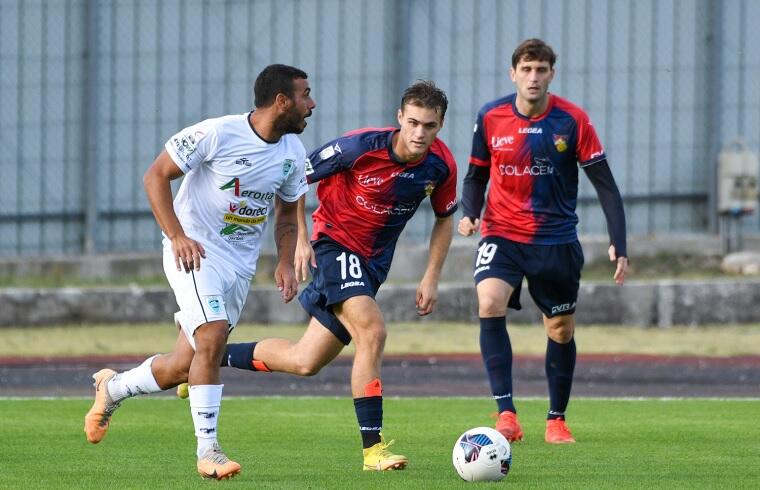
<point x="429" y="188"/>
<point x="308" y="169"/>
<point x="287" y="166"/>
<point x="560" y="142"/>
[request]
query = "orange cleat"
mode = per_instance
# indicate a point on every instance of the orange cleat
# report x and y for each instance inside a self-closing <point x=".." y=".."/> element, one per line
<point x="509" y="426"/>
<point x="557" y="432"/>
<point x="215" y="465"/>
<point x="98" y="419"/>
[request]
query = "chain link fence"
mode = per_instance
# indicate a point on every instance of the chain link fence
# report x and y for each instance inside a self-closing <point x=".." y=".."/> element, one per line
<point x="90" y="90"/>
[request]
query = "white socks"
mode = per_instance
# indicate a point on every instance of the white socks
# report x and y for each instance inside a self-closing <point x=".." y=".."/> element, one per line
<point x="204" y="407"/>
<point x="136" y="381"/>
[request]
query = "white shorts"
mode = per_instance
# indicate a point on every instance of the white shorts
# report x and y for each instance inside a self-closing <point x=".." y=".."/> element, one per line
<point x="210" y="294"/>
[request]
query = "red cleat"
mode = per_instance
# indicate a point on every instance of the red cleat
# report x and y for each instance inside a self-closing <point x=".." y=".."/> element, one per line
<point x="557" y="432"/>
<point x="509" y="426"/>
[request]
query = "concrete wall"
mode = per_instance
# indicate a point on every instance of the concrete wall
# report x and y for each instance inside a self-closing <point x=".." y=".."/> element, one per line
<point x="408" y="263"/>
<point x="91" y="89"/>
<point x="643" y="304"/>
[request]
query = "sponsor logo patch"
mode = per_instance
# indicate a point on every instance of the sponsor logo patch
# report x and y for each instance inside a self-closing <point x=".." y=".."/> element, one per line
<point x="563" y="307"/>
<point x="184" y="146"/>
<point x="214" y="304"/>
<point x="329" y="151"/>
<point x="499" y="141"/>
<point x="351" y="284"/>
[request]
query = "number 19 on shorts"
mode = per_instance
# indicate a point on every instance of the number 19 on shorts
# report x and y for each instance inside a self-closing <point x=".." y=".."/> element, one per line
<point x="485" y="254"/>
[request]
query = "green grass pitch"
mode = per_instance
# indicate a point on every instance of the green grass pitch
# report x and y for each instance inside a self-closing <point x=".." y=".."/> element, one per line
<point x="314" y="443"/>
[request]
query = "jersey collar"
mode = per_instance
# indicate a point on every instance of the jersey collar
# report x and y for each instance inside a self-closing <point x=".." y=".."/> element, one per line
<point x="549" y="107"/>
<point x="395" y="159"/>
<point x="248" y="119"/>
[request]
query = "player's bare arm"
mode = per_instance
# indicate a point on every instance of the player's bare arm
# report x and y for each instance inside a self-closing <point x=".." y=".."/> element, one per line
<point x="157" y="182"/>
<point x="440" y="240"/>
<point x="304" y="255"/>
<point x="285" y="237"/>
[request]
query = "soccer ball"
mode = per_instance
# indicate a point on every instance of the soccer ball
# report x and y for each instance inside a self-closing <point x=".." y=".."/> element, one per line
<point x="482" y="454"/>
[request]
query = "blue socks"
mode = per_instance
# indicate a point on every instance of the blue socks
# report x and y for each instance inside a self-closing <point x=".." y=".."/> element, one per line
<point x="497" y="357"/>
<point x="560" y="365"/>
<point x="239" y="356"/>
<point x="369" y="413"/>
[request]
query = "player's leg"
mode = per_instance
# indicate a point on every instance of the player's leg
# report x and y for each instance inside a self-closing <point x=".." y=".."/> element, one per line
<point x="495" y="271"/>
<point x="362" y="318"/>
<point x="155" y="374"/>
<point x="554" y="282"/>
<point x="206" y="399"/>
<point x="210" y="301"/>
<point x="560" y="366"/>
<point x="496" y="350"/>
<point x="316" y="348"/>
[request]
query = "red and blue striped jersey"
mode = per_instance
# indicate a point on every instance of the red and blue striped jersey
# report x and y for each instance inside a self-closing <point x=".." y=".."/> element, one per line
<point x="533" y="169"/>
<point x="366" y="196"/>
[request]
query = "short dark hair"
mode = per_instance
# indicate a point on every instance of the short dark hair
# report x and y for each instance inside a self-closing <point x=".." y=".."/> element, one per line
<point x="533" y="50"/>
<point x="424" y="93"/>
<point x="273" y="80"/>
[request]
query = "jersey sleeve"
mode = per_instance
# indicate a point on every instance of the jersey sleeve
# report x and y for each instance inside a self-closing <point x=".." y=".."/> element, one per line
<point x="333" y="157"/>
<point x="589" y="149"/>
<point x="444" y="196"/>
<point x="193" y="145"/>
<point x="295" y="184"/>
<point x="480" y="154"/>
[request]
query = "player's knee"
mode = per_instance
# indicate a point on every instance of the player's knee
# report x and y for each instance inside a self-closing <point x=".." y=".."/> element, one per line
<point x="211" y="337"/>
<point x="371" y="336"/>
<point x="560" y="330"/>
<point x="179" y="374"/>
<point x="308" y="367"/>
<point x="491" y="306"/>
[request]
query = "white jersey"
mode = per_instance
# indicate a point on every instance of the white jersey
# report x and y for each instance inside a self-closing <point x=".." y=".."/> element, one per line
<point x="231" y="179"/>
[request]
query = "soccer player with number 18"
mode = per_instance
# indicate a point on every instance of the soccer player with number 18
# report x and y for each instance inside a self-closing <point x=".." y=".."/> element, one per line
<point x="371" y="182"/>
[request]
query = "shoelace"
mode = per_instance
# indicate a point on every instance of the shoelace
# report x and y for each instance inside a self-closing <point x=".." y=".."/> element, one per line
<point x="110" y="406"/>
<point x="562" y="429"/>
<point x="384" y="447"/>
<point x="215" y="455"/>
<point x="107" y="412"/>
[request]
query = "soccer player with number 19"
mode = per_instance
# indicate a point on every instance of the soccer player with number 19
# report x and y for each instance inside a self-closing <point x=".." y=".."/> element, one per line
<point x="371" y="182"/>
<point x="530" y="144"/>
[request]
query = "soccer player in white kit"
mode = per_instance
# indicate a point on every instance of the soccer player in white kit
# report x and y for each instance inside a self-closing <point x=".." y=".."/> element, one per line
<point x="236" y="169"/>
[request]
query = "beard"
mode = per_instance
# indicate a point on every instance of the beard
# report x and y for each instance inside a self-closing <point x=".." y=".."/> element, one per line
<point x="290" y="122"/>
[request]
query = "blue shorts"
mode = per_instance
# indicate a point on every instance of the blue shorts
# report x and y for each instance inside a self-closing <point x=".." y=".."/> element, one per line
<point x="340" y="274"/>
<point x="553" y="271"/>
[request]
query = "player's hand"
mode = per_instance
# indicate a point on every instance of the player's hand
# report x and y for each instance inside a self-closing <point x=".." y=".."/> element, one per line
<point x="427" y="297"/>
<point x="285" y="278"/>
<point x="304" y="257"/>
<point x="622" y="265"/>
<point x="467" y="226"/>
<point x="187" y="253"/>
